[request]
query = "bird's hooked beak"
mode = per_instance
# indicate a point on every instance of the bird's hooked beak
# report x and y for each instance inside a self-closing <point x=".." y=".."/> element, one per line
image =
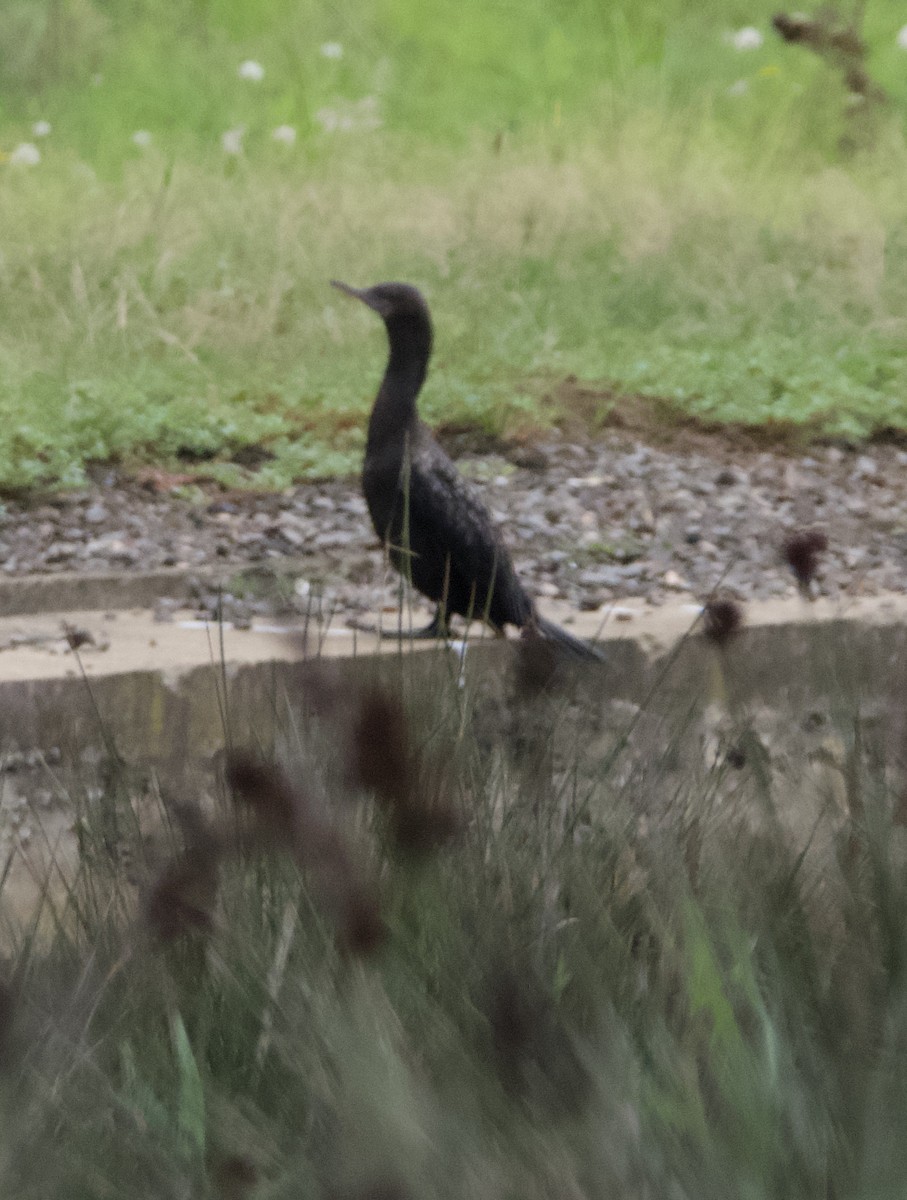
<point x="366" y="295"/>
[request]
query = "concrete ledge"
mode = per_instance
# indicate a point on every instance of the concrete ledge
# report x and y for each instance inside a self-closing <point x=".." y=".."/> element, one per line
<point x="170" y="697"/>
<point x="160" y="690"/>
<point x="72" y="591"/>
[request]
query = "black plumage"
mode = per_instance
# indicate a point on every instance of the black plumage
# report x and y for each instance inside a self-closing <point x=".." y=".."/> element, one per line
<point x="438" y="532"/>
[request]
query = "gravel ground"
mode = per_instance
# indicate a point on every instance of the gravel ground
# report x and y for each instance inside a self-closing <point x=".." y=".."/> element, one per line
<point x="587" y="523"/>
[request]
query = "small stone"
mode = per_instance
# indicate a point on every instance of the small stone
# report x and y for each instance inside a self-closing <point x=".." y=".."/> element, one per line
<point x="334" y="538"/>
<point x="120" y="551"/>
<point x="675" y="582"/>
<point x="60" y="551"/>
<point x="293" y="536"/>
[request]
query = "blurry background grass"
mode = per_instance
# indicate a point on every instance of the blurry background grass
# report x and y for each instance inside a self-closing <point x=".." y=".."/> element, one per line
<point x="607" y="190"/>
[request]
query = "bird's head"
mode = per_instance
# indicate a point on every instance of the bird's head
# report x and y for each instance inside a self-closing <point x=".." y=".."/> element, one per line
<point x="389" y="300"/>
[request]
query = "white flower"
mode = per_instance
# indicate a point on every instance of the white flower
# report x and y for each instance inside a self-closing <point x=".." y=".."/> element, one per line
<point x="901" y="39"/>
<point x="739" y="88"/>
<point x="41" y="128"/>
<point x="331" y="50"/>
<point x="350" y="115"/>
<point x="231" y="141"/>
<point x="142" y="139"/>
<point x="747" y="38"/>
<point x="251" y="70"/>
<point x="367" y="111"/>
<point x="285" y="134"/>
<point x="328" y="119"/>
<point x="26" y="154"/>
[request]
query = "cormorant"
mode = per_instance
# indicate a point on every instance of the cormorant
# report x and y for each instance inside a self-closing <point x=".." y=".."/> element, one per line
<point x="438" y="532"/>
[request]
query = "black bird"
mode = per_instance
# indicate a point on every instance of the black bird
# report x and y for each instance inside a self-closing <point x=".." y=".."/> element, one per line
<point x="439" y="534"/>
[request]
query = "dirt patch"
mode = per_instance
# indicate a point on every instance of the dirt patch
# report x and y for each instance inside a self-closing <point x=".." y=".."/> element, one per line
<point x="659" y="422"/>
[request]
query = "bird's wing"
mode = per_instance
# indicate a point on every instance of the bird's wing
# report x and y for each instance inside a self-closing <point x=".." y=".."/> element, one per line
<point x="455" y="547"/>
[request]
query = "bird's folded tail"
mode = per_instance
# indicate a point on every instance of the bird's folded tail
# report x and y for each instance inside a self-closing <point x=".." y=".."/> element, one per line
<point x="577" y="647"/>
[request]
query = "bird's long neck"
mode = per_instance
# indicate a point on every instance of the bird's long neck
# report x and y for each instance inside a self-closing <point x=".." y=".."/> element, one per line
<point x="395" y="406"/>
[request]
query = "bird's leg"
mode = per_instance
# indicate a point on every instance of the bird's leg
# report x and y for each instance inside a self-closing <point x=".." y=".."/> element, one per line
<point x="435" y="630"/>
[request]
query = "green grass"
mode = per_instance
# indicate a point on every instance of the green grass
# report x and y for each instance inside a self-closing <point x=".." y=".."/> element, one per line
<point x="637" y="971"/>
<point x="573" y="187"/>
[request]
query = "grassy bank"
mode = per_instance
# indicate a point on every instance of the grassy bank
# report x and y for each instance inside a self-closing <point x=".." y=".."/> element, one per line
<point x="613" y="192"/>
<point x="530" y="948"/>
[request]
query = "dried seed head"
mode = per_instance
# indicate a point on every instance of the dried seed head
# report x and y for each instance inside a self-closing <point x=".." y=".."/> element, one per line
<point x="7" y="1013"/>
<point x="801" y="553"/>
<point x="722" y="617"/>
<point x="268" y="794"/>
<point x="235" y="1177"/>
<point x="793" y="27"/>
<point x="380" y="756"/>
<point x="821" y="33"/>
<point x="421" y="825"/>
<point x="531" y="1049"/>
<point x="340" y="883"/>
<point x="899" y="810"/>
<point x="76" y="637"/>
<point x="382" y="760"/>
<point x="182" y="899"/>
<point x="374" y="1189"/>
<point x="360" y="927"/>
<point x="510" y="1018"/>
<point x="736" y="757"/>
<point x="537" y="663"/>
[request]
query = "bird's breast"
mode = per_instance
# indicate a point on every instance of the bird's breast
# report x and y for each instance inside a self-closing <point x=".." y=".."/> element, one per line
<point x="382" y="486"/>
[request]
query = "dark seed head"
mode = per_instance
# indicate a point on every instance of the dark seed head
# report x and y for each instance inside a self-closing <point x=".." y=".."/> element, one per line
<point x="536" y="664"/>
<point x="235" y="1177"/>
<point x="374" y="1189"/>
<point x="76" y="637"/>
<point x="266" y="791"/>
<point x="736" y="757"/>
<point x="7" y="1013"/>
<point x="361" y="930"/>
<point x="422" y="825"/>
<point x="801" y="553"/>
<point x="182" y="899"/>
<point x="793" y="27"/>
<point x="380" y="757"/>
<point x="510" y="1016"/>
<point x="722" y="617"/>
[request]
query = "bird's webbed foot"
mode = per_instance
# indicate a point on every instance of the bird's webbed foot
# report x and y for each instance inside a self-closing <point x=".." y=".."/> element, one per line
<point x="436" y="630"/>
